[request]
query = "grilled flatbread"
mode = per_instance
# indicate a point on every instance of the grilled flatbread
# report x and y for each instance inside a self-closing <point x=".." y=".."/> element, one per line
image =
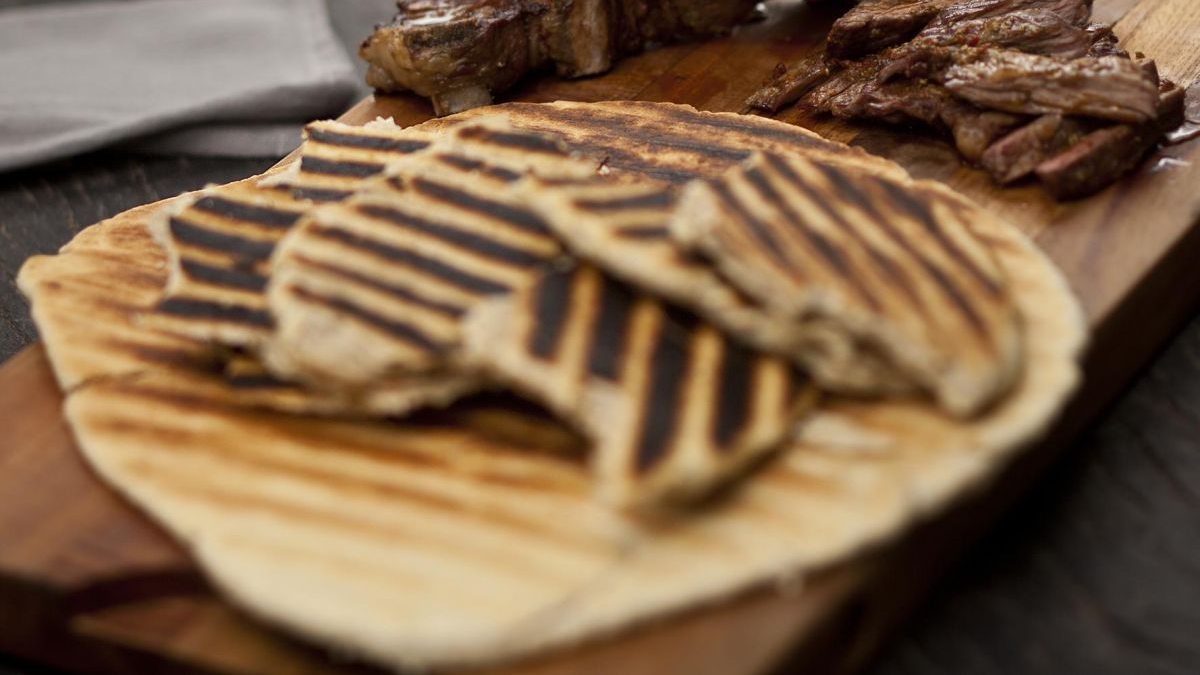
<point x="623" y="226"/>
<point x="665" y="141"/>
<point x="672" y="405"/>
<point x="355" y="534"/>
<point x="890" y="260"/>
<point x="378" y="284"/>
<point x="90" y="301"/>
<point x="473" y="536"/>
<point x="219" y="241"/>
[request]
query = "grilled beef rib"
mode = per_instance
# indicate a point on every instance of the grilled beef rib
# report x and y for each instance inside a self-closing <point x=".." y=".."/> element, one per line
<point x="460" y="52"/>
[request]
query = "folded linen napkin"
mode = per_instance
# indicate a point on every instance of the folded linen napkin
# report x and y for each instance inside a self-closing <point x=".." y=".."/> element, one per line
<point x="218" y="77"/>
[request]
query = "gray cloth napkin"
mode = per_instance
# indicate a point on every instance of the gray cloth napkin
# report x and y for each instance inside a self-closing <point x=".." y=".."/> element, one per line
<point x="216" y="77"/>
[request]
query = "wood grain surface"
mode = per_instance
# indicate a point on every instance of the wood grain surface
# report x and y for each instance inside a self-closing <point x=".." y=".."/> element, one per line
<point x="132" y="602"/>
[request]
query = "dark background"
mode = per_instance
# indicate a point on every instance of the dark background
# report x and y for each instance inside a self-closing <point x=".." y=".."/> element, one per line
<point x="1097" y="572"/>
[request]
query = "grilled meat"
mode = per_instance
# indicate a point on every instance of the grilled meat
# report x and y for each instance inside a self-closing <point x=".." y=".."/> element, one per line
<point x="1107" y="88"/>
<point x="789" y="83"/>
<point x="1105" y="155"/>
<point x="460" y="52"/>
<point x="1074" y="12"/>
<point x="1017" y="154"/>
<point x="875" y="24"/>
<point x="1023" y="86"/>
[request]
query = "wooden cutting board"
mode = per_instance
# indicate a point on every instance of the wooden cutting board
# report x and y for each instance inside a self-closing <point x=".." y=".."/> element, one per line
<point x="88" y="584"/>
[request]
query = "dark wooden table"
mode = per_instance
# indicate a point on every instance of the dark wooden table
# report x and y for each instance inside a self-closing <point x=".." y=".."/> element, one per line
<point x="1097" y="572"/>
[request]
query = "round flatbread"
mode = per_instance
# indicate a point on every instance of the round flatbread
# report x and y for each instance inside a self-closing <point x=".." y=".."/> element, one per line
<point x="471" y="535"/>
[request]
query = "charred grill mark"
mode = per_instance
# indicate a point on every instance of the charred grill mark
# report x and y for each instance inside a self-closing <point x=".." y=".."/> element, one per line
<point x="609" y="331"/>
<point x="734" y="393"/>
<point x="385" y="143"/>
<point x="960" y="301"/>
<point x="921" y="213"/>
<point x="260" y="215"/>
<point x="330" y="167"/>
<point x="468" y="241"/>
<point x="223" y="276"/>
<point x="738" y="125"/>
<point x="467" y="281"/>
<point x="468" y="164"/>
<point x="634" y="129"/>
<point x="847" y="191"/>
<point x="400" y="330"/>
<point x="258" y="381"/>
<point x="551" y="304"/>
<point x="826" y="249"/>
<point x="443" y="308"/>
<point x="191" y="308"/>
<point x="520" y="141"/>
<point x="662" y="403"/>
<point x="654" y="200"/>
<point x="318" y="194"/>
<point x="249" y="250"/>
<point x="643" y="232"/>
<point x="520" y="218"/>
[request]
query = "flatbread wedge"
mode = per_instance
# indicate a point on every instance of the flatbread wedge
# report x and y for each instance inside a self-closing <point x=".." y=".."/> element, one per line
<point x="377" y="284"/>
<point x="672" y="406"/>
<point x="624" y="227"/>
<point x="892" y="261"/>
<point x="220" y="240"/>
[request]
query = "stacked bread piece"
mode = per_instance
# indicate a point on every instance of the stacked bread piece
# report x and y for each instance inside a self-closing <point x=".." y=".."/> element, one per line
<point x="451" y="394"/>
<point x="675" y="327"/>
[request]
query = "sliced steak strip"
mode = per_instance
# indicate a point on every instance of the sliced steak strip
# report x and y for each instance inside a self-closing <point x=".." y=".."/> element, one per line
<point x="789" y="83"/>
<point x="1106" y="88"/>
<point x="875" y="24"/>
<point x="1074" y="12"/>
<point x="1105" y="155"/>
<point x="1016" y="155"/>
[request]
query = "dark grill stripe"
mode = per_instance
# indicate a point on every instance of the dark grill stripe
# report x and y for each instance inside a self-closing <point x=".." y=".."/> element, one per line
<point x="224" y="276"/>
<point x="249" y="250"/>
<point x="478" y="244"/>
<point x="443" y="308"/>
<point x="643" y="232"/>
<point x="319" y="194"/>
<point x="521" y="141"/>
<point x="203" y="309"/>
<point x="521" y="218"/>
<point x="742" y="125"/>
<point x="398" y="329"/>
<point x="257" y="381"/>
<point x="819" y="242"/>
<point x="662" y="405"/>
<point x="654" y="200"/>
<point x="385" y="143"/>
<point x="734" y="393"/>
<point x="921" y="213"/>
<point x="260" y="215"/>
<point x="468" y="164"/>
<point x="607" y="351"/>
<point x="465" y="280"/>
<point x="551" y="303"/>
<point x="335" y="168"/>
<point x="632" y="129"/>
